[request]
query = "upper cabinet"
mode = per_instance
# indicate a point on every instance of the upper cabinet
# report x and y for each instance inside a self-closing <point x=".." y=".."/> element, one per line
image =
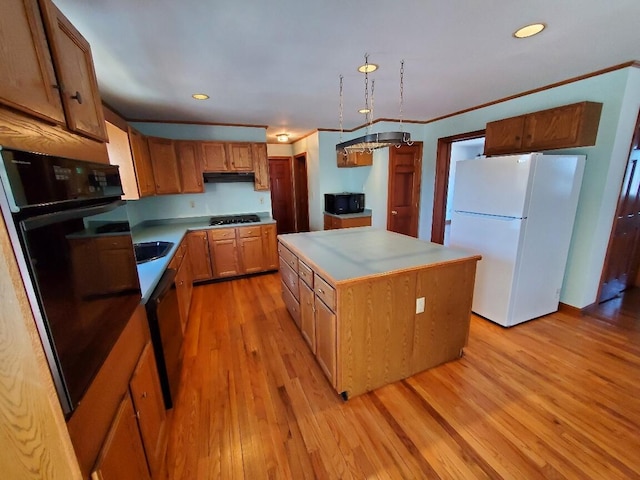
<point x="240" y="157"/>
<point x="76" y="76"/>
<point x="190" y="167"/>
<point x="165" y="165"/>
<point x="569" y="126"/>
<point x="142" y="163"/>
<point x="260" y="166"/>
<point x="214" y="156"/>
<point x="27" y="78"/>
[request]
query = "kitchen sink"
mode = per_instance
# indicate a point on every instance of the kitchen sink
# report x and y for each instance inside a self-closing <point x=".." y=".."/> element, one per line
<point x="147" y="251"/>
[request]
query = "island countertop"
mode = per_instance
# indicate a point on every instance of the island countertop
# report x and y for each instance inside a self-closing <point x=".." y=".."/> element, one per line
<point x="354" y="253"/>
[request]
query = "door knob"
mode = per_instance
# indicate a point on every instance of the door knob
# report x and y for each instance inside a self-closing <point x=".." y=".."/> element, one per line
<point x="393" y="212"/>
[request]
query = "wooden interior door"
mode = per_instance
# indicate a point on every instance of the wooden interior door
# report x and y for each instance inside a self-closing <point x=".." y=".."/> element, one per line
<point x="301" y="192"/>
<point x="405" y="167"/>
<point x="622" y="262"/>
<point x="443" y="163"/>
<point x="282" y="204"/>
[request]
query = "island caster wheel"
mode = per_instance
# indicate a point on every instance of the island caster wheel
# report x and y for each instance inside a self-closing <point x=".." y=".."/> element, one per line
<point x="345" y="396"/>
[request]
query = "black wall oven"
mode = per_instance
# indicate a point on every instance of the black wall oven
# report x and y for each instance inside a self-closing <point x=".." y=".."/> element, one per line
<point x="70" y="233"/>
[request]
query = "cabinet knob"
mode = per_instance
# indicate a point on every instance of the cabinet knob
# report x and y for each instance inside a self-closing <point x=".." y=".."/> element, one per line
<point x="138" y="414"/>
<point x="144" y="395"/>
<point x="77" y="97"/>
<point x="320" y="291"/>
<point x="393" y="212"/>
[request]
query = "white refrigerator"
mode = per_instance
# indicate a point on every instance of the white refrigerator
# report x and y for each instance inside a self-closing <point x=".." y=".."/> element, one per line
<point x="517" y="211"/>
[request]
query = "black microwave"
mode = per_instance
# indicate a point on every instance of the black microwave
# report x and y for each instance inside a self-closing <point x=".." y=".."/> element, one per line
<point x="345" y="202"/>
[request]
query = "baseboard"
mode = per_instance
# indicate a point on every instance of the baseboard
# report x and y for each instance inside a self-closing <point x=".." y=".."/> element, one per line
<point x="574" y="311"/>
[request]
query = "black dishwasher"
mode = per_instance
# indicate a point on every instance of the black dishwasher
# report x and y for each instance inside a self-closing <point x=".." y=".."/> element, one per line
<point x="166" y="334"/>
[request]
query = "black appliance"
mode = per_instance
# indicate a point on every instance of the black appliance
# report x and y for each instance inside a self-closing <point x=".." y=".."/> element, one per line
<point x="344" y="202"/>
<point x="166" y="334"/>
<point x="70" y="233"/>
<point x="229" y="177"/>
<point x="233" y="219"/>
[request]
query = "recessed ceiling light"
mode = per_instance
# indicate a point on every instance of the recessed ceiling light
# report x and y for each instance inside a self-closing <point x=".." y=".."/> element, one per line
<point x="283" y="137"/>
<point x="364" y="110"/>
<point x="368" y="68"/>
<point x="529" y="30"/>
<point x="200" y="96"/>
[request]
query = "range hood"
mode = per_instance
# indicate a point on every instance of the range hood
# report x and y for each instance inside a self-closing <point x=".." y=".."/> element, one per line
<point x="228" y="177"/>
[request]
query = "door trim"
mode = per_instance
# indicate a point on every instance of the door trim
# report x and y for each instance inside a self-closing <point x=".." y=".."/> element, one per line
<point x="441" y="184"/>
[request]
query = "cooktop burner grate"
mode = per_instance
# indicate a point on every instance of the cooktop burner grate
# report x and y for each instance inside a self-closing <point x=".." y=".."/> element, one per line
<point x="233" y="219"/>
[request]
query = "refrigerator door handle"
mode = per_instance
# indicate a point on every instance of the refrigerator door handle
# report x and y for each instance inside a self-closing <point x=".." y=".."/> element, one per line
<point x="489" y="215"/>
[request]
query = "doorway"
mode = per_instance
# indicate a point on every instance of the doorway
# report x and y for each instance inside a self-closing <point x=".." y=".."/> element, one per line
<point x="405" y="169"/>
<point x="442" y="193"/>
<point x="621" y="270"/>
<point x="282" y="194"/>
<point x="301" y="192"/>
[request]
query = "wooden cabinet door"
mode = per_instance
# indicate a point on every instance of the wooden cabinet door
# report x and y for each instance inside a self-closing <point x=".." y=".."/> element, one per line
<point x="270" y="247"/>
<point x="260" y="166"/>
<point x="326" y="345"/>
<point x="504" y="136"/>
<point x="199" y="255"/>
<point x="142" y="163"/>
<point x="553" y="128"/>
<point x="122" y="455"/>
<point x="190" y="166"/>
<point x="147" y="401"/>
<point x="27" y="79"/>
<point x="165" y="165"/>
<point x="184" y="288"/>
<point x="118" y="272"/>
<point x="74" y="67"/>
<point x="224" y="252"/>
<point x="251" y="255"/>
<point x="214" y="157"/>
<point x="307" y="316"/>
<point x="240" y="157"/>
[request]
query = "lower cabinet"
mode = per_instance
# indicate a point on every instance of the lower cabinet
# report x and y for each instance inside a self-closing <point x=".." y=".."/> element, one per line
<point x="234" y="251"/>
<point x="183" y="281"/>
<point x="224" y="252"/>
<point x="199" y="255"/>
<point x="311" y="301"/>
<point x="122" y="456"/>
<point x="135" y="445"/>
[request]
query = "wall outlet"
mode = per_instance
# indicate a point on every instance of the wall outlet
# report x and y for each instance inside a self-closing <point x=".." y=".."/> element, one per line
<point x="261" y="200"/>
<point x="420" y="305"/>
<point x="192" y="204"/>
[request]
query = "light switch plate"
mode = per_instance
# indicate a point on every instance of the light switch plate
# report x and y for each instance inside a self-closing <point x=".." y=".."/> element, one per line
<point x="420" y="305"/>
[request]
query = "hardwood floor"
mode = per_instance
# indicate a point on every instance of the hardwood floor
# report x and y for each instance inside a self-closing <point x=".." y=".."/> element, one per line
<point x="557" y="397"/>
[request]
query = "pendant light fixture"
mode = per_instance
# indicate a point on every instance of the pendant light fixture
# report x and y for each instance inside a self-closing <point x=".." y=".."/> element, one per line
<point x="372" y="141"/>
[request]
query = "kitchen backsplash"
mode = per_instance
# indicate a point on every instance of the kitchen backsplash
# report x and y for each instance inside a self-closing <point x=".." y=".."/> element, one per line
<point x="218" y="199"/>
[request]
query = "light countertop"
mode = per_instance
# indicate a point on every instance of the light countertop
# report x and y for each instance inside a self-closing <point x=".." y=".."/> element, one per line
<point x="350" y="253"/>
<point x="172" y="230"/>
<point x="365" y="213"/>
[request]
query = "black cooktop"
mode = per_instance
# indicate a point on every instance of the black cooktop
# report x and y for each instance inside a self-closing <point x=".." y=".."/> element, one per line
<point x="233" y="219"/>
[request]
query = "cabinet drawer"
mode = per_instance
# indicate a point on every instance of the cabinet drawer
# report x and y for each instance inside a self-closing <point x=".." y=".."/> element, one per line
<point x="289" y="277"/>
<point x="305" y="273"/>
<point x="293" y="306"/>
<point x="325" y="292"/>
<point x="288" y="257"/>
<point x="245" y="232"/>
<point x="222" y="233"/>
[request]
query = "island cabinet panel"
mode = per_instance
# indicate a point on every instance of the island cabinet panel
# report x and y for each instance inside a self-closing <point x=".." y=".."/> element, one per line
<point x="376" y="328"/>
<point x="326" y="336"/>
<point x="289" y="278"/>
<point x="307" y="315"/>
<point x="292" y="304"/>
<point x="442" y="330"/>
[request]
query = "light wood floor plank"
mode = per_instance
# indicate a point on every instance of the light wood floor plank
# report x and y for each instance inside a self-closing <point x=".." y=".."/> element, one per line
<point x="553" y="398"/>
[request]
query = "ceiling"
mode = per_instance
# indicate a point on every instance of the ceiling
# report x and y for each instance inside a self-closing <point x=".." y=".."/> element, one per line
<point x="278" y="63"/>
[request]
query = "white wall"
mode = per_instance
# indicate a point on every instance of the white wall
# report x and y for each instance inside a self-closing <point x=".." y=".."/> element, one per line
<point x="619" y="91"/>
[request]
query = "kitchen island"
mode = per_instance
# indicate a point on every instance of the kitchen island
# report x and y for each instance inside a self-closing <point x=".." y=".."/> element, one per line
<point x="376" y="306"/>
